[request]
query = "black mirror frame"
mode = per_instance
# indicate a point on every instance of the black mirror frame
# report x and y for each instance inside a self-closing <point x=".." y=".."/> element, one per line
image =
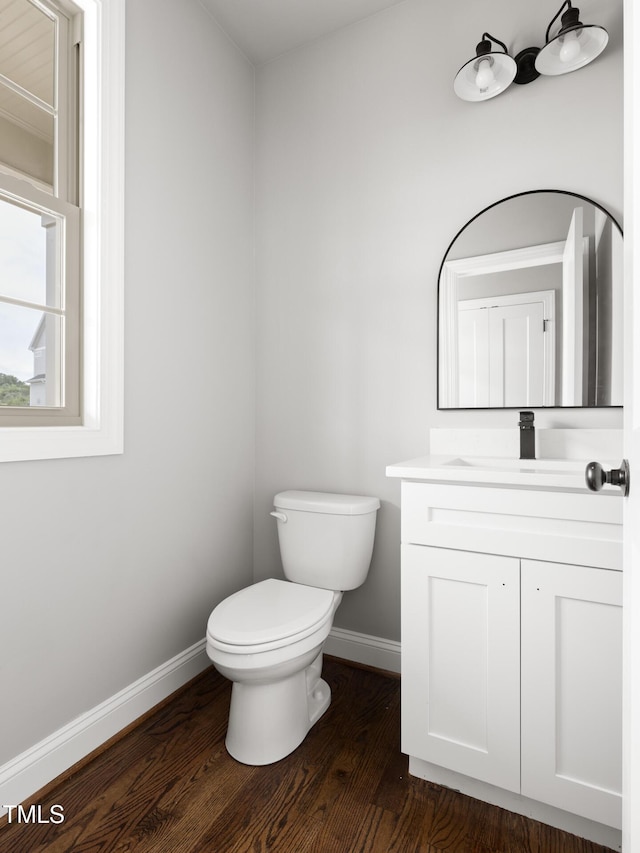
<point x="444" y="259"/>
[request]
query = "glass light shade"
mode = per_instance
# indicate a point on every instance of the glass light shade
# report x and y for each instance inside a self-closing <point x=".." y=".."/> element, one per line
<point x="571" y="50"/>
<point x="485" y="76"/>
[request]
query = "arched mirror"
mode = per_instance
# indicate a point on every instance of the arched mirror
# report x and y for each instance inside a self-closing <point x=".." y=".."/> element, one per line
<point x="530" y="306"/>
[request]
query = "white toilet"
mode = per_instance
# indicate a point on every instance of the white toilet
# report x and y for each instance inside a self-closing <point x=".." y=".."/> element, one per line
<point x="267" y="639"/>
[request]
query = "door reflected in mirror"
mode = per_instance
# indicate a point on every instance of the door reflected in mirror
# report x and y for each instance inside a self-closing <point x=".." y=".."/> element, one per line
<point x="530" y="306"/>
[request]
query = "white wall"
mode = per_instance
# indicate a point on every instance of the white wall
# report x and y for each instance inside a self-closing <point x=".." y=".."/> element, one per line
<point x="131" y="552"/>
<point x="367" y="166"/>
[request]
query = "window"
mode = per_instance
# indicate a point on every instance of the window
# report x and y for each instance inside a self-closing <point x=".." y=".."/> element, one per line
<point x="61" y="243"/>
<point x="39" y="215"/>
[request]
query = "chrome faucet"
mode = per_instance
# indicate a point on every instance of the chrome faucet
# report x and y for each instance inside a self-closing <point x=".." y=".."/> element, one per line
<point x="527" y="436"/>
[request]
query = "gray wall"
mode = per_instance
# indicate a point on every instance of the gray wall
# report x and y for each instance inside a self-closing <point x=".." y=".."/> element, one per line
<point x="112" y="565"/>
<point x="367" y="166"/>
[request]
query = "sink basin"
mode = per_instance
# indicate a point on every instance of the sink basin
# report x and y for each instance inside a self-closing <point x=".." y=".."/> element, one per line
<point x="490" y="463"/>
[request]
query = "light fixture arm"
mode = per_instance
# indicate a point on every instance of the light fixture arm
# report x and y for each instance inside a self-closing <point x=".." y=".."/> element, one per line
<point x="566" y="5"/>
<point x="489" y="37"/>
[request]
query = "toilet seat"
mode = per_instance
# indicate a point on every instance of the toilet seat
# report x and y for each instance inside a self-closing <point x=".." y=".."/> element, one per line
<point x="267" y="615"/>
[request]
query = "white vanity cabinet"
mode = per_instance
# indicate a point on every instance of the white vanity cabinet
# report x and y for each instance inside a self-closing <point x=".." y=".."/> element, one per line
<point x="511" y="644"/>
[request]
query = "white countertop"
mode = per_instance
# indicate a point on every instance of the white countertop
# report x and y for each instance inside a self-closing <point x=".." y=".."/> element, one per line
<point x="566" y="474"/>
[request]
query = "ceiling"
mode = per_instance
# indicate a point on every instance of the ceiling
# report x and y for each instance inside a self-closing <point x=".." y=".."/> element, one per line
<point x="27" y="63"/>
<point x="264" y="29"/>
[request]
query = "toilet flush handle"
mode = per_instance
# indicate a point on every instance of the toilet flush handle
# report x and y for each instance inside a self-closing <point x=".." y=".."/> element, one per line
<point x="280" y="516"/>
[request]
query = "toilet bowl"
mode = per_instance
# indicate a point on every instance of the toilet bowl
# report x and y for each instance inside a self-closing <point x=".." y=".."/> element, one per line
<point x="267" y="639"/>
<point x="274" y="665"/>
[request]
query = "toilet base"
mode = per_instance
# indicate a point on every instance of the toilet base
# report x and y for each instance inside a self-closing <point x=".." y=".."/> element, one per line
<point x="267" y="721"/>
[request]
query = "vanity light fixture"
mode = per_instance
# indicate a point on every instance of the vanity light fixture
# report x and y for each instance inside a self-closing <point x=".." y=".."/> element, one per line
<point x="491" y="71"/>
<point x="575" y="45"/>
<point x="487" y="74"/>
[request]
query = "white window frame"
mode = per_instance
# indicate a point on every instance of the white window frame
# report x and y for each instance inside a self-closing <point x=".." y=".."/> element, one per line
<point x="102" y="167"/>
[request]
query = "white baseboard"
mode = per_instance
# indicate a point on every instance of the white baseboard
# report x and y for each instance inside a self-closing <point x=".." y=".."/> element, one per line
<point x="363" y="648"/>
<point x="30" y="771"/>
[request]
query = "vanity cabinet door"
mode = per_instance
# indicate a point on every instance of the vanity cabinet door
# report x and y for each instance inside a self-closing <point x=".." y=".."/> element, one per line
<point x="572" y="688"/>
<point x="460" y="662"/>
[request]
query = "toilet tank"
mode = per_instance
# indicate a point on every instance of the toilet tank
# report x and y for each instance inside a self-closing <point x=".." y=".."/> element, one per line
<point x="326" y="540"/>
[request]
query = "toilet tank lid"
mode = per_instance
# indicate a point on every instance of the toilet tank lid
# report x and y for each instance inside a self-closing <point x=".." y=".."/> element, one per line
<point x="332" y="504"/>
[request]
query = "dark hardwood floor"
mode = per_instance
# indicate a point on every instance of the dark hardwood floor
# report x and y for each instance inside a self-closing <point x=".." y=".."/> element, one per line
<point x="169" y="786"/>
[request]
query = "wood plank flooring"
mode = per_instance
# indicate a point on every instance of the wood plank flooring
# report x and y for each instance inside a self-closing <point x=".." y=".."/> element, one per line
<point x="169" y="786"/>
